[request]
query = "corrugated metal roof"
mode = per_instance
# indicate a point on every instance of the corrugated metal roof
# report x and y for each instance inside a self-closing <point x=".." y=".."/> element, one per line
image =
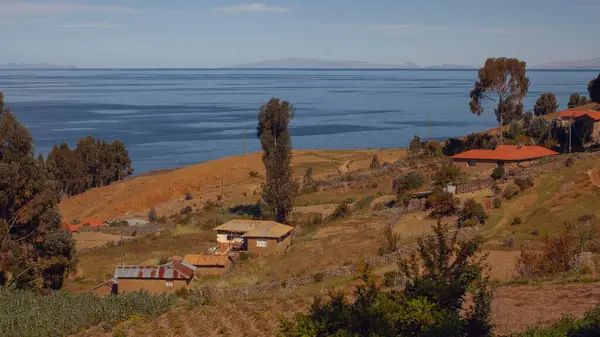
<point x="176" y="270"/>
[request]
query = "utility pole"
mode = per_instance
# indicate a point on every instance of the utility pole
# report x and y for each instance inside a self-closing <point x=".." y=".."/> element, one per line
<point x="570" y="127"/>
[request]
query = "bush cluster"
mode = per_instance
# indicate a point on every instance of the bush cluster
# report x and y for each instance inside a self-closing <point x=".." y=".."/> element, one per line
<point x="511" y="191"/>
<point x="498" y="173"/>
<point x="409" y="181"/>
<point x="341" y="211"/>
<point x="524" y="183"/>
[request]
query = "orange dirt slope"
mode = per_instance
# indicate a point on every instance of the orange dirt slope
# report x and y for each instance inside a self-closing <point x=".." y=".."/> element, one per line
<point x="165" y="189"/>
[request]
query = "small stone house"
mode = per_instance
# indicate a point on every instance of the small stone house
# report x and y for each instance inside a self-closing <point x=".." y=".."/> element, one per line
<point x="586" y="124"/>
<point x="165" y="278"/>
<point x="255" y="236"/>
<point x="207" y="264"/>
<point x="483" y="160"/>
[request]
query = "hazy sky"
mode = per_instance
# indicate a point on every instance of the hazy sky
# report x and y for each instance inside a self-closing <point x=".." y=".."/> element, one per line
<point x="214" y="33"/>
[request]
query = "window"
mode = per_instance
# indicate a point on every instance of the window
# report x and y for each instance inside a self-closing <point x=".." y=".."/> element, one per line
<point x="169" y="284"/>
<point x="471" y="163"/>
<point x="261" y="243"/>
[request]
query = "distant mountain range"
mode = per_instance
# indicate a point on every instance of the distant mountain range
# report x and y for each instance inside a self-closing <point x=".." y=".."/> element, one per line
<point x="305" y="63"/>
<point x="584" y="64"/>
<point x="35" y="66"/>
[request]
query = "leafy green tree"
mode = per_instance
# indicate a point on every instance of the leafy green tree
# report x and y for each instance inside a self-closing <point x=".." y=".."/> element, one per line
<point x="503" y="81"/>
<point x="594" y="90"/>
<point x="539" y="129"/>
<point x="279" y="190"/>
<point x="453" y="146"/>
<point x="34" y="250"/>
<point x="527" y="118"/>
<point x="576" y="100"/>
<point x="41" y="163"/>
<point x="546" y="104"/>
<point x="415" y="146"/>
<point x="67" y="170"/>
<point x="440" y="276"/>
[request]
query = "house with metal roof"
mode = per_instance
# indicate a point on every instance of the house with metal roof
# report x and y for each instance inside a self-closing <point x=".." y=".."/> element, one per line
<point x="164" y="278"/>
<point x="483" y="160"/>
<point x="255" y="236"/>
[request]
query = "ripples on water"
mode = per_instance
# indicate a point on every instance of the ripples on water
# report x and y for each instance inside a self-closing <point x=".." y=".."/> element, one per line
<point x="170" y="118"/>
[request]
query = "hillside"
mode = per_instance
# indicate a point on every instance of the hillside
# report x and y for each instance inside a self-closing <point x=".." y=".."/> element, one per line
<point x="165" y="189"/>
<point x="252" y="297"/>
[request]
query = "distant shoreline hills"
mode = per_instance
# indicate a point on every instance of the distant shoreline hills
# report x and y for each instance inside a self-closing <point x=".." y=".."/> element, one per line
<point x="306" y="63"/>
<point x="35" y="66"/>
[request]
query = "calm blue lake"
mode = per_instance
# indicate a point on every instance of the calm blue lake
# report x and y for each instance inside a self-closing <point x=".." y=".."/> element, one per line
<point x="171" y="118"/>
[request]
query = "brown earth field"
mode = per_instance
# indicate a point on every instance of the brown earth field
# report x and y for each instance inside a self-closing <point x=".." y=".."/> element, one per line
<point x="165" y="189"/>
<point x="514" y="309"/>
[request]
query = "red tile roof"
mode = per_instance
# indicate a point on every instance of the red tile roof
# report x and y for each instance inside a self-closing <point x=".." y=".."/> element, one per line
<point x="507" y="153"/>
<point x="595" y="115"/>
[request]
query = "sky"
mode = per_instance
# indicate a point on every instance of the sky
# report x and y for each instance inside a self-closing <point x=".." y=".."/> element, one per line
<point x="221" y="33"/>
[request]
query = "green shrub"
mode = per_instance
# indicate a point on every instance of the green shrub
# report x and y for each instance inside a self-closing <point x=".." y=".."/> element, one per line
<point x="508" y="241"/>
<point x="442" y="203"/>
<point x="253" y="174"/>
<point x="27" y="314"/>
<point x="472" y="213"/>
<point x="390" y="278"/>
<point x="524" y="183"/>
<point x="244" y="256"/>
<point x="364" y="202"/>
<point x="341" y="211"/>
<point x="498" y="173"/>
<point x="409" y="181"/>
<point x="510" y="191"/>
<point x="516" y="221"/>
<point x="318" y="277"/>
<point x="188" y="196"/>
<point x="447" y="174"/>
<point x="569" y="162"/>
<point x="589" y="326"/>
<point x="496" y="203"/>
<point x="75" y="222"/>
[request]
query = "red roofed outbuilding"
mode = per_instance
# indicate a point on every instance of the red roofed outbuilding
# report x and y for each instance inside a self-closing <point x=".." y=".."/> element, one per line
<point x="483" y="160"/>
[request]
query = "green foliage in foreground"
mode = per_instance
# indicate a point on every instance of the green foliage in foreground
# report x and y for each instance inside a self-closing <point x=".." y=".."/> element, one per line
<point x="24" y="313"/>
<point x="589" y="326"/>
<point x="444" y="272"/>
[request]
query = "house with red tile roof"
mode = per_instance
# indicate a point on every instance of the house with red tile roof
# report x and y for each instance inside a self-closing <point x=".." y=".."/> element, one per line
<point x="585" y="125"/>
<point x="483" y="160"/>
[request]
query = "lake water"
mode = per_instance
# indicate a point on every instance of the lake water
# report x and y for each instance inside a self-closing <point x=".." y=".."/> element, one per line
<point x="171" y="118"/>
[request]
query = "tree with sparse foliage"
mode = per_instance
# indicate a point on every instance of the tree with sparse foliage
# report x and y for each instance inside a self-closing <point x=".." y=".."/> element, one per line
<point x="546" y="104"/>
<point x="503" y="81"/>
<point x="279" y="190"/>
<point x="447" y="174"/>
<point x="442" y="203"/>
<point x="308" y="176"/>
<point x="152" y="216"/>
<point x="447" y="293"/>
<point x="594" y="90"/>
<point x="375" y="164"/>
<point x="34" y="250"/>
<point x="415" y="146"/>
<point x="539" y="129"/>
